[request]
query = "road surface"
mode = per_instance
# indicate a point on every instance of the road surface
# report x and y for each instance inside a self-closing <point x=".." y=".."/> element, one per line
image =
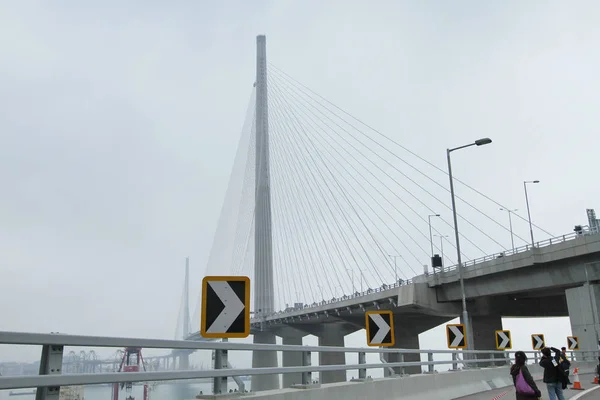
<point x="509" y="392"/>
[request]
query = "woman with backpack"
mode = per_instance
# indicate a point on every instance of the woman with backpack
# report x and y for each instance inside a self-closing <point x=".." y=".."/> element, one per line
<point x="524" y="384"/>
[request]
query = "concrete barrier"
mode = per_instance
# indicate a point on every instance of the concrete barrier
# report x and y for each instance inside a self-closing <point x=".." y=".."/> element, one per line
<point x="443" y="385"/>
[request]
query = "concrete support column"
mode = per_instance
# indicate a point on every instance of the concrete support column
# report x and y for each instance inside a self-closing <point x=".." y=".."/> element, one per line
<point x="404" y="340"/>
<point x="331" y="335"/>
<point x="583" y="303"/>
<point x="184" y="361"/>
<point x="484" y="337"/>
<point x="264" y="359"/>
<point x="292" y="337"/>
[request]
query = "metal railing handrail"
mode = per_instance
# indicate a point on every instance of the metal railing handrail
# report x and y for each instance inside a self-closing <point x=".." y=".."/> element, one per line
<point x="39" y="381"/>
<point x="543" y="243"/>
<point x="50" y="377"/>
<point x="45" y="339"/>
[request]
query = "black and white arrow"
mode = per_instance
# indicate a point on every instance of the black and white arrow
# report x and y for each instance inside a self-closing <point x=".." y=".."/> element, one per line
<point x="458" y="336"/>
<point x="539" y="342"/>
<point x="573" y="343"/>
<point x="382" y="328"/>
<point x="233" y="306"/>
<point x="505" y="340"/>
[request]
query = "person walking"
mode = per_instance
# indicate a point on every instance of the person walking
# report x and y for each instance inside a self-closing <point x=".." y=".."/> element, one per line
<point x="554" y="375"/>
<point x="524" y="384"/>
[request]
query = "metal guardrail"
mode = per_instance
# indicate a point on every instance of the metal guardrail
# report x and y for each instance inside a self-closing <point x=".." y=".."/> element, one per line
<point x="50" y="377"/>
<point x="544" y="243"/>
<point x="470" y="263"/>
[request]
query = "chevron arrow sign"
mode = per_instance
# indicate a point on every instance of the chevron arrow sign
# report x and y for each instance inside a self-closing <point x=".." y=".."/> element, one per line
<point x="456" y="336"/>
<point x="503" y="341"/>
<point x="225" y="307"/>
<point x="537" y="341"/>
<point x="380" y="328"/>
<point x="573" y="342"/>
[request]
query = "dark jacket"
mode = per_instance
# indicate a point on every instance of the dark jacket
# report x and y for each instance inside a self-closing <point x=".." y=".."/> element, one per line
<point x="564" y="362"/>
<point x="514" y="372"/>
<point x="552" y="374"/>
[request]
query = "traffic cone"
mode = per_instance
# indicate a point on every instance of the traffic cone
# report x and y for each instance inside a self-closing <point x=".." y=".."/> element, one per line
<point x="595" y="380"/>
<point x="576" y="383"/>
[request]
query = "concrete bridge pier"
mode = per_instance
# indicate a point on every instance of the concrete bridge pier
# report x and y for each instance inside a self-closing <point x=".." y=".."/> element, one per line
<point x="484" y="337"/>
<point x="264" y="359"/>
<point x="404" y="339"/>
<point x="582" y="303"/>
<point x="184" y="361"/>
<point x="291" y="336"/>
<point x="332" y="334"/>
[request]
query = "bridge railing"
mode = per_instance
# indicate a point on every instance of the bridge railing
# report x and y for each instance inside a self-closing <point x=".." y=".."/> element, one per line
<point x="543" y="243"/>
<point x="51" y="378"/>
<point x="401" y="282"/>
<point x="382" y="288"/>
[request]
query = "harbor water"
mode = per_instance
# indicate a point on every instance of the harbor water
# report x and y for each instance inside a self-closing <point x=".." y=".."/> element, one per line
<point x="159" y="391"/>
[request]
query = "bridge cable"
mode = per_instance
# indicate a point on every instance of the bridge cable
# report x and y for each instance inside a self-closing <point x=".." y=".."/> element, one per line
<point x="395" y="194"/>
<point x="328" y="208"/>
<point x="300" y="222"/>
<point x="418" y="185"/>
<point x="310" y="153"/>
<point x="379" y="180"/>
<point x="297" y="83"/>
<point x="329" y="156"/>
<point x="303" y="190"/>
<point x="296" y="215"/>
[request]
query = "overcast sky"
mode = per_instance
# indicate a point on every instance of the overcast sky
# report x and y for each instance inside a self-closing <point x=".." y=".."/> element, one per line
<point x="119" y="124"/>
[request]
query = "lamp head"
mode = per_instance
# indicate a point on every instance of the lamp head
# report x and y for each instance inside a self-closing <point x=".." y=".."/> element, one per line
<point x="481" y="142"/>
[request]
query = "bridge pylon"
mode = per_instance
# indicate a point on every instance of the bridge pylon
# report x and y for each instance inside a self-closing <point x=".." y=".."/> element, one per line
<point x="264" y="292"/>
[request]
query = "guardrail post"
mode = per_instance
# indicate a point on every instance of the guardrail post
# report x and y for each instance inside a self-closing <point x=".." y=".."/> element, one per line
<point x="306" y="376"/>
<point x="50" y="364"/>
<point x="507" y="357"/>
<point x="454" y="363"/>
<point x="535" y="357"/>
<point x="219" y="382"/>
<point x="430" y="365"/>
<point x="401" y="359"/>
<point x="362" y="359"/>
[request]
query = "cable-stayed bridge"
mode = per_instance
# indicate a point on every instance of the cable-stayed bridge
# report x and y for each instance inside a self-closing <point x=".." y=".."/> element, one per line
<point x="330" y="217"/>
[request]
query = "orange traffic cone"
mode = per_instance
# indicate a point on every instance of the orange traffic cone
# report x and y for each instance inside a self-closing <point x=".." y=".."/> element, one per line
<point x="576" y="382"/>
<point x="595" y="380"/>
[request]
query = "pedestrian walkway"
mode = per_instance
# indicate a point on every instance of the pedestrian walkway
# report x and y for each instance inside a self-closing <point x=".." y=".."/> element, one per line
<point x="509" y="392"/>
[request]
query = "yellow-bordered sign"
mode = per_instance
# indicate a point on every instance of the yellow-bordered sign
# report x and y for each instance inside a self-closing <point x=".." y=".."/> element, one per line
<point x="572" y="342"/>
<point x="537" y="341"/>
<point x="380" y="328"/>
<point x="456" y="336"/>
<point x="503" y="340"/>
<point x="225" y="307"/>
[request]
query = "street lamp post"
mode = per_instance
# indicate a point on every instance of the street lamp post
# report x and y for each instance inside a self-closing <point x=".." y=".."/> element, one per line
<point x="352" y="275"/>
<point x="592" y="303"/>
<point x="528" y="212"/>
<point x="361" y="280"/>
<point x="321" y="290"/>
<point x="512" y="239"/>
<point x="395" y="267"/>
<point x="430" y="236"/>
<point x="442" y="237"/>
<point x="465" y="315"/>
